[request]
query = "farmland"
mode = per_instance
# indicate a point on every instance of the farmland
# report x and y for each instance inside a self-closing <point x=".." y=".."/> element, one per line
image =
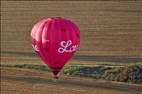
<point x="25" y="81"/>
<point x="110" y="38"/>
<point x="114" y="29"/>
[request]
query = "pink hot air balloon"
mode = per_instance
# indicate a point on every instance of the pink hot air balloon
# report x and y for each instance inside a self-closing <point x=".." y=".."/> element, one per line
<point x="55" y="40"/>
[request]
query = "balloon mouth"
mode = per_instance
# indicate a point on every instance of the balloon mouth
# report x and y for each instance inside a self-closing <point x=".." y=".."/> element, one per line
<point x="55" y="70"/>
<point x="55" y="73"/>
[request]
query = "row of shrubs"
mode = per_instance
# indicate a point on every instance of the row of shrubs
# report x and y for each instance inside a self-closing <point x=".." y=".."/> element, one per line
<point x="130" y="73"/>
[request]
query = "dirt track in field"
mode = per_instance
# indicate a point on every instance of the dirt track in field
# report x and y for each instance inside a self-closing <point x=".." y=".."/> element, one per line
<point x="26" y="81"/>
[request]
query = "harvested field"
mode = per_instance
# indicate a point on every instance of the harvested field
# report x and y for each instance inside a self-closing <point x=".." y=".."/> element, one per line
<point x="25" y="81"/>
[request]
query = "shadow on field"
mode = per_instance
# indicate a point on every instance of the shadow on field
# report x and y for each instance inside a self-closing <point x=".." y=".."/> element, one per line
<point x="103" y="85"/>
<point x="116" y="59"/>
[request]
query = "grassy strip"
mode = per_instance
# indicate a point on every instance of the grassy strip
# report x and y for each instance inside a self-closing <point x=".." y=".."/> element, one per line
<point x="29" y="66"/>
<point x="130" y="73"/>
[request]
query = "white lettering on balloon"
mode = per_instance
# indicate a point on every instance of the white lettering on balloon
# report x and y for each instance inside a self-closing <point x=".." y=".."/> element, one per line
<point x="66" y="47"/>
<point x="35" y="47"/>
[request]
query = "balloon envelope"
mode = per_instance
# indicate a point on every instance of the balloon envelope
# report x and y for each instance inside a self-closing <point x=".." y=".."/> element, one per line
<point x="55" y="40"/>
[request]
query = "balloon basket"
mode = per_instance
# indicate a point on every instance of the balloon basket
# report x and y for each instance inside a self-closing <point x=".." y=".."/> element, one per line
<point x="55" y="78"/>
<point x="55" y="74"/>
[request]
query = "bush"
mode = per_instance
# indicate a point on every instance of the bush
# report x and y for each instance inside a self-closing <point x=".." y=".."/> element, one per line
<point x="131" y="73"/>
<point x="73" y="70"/>
<point x="135" y="73"/>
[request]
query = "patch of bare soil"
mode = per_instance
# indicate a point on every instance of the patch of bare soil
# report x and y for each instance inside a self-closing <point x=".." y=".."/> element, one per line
<point x="27" y="81"/>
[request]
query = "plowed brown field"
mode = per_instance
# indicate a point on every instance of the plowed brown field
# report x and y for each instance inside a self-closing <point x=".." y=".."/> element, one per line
<point x="26" y="81"/>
